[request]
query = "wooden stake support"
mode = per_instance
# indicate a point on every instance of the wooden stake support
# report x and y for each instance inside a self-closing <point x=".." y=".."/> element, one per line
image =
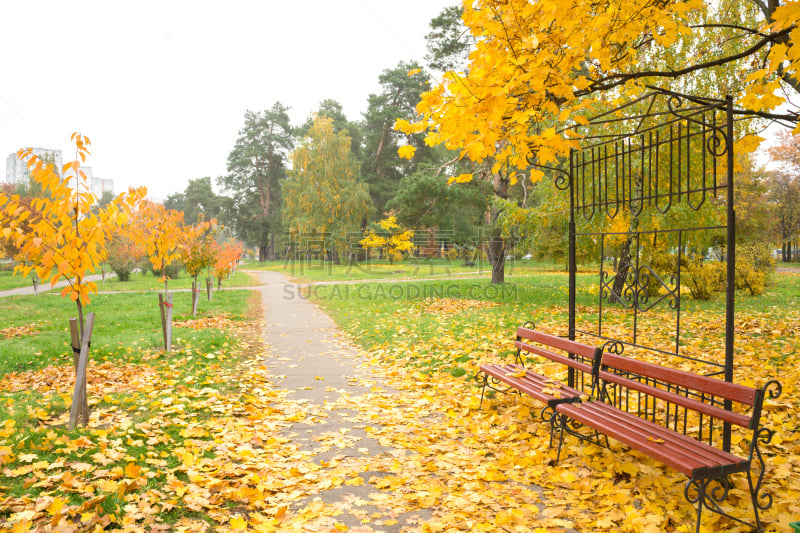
<point x="80" y="402"/>
<point x="195" y="297"/>
<point x="166" y="320"/>
<point x="35" y="286"/>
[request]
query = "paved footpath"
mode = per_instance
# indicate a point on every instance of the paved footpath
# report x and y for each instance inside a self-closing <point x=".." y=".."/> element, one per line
<point x="44" y="287"/>
<point x="309" y="357"/>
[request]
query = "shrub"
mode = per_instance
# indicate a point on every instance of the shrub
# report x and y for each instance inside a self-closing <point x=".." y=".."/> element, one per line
<point x="754" y="263"/>
<point x="124" y="257"/>
<point x="172" y="271"/>
<point x="452" y="254"/>
<point x="704" y="278"/>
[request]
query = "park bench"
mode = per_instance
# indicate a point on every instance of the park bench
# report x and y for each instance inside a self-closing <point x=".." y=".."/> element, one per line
<point x="671" y="415"/>
<point x="518" y="377"/>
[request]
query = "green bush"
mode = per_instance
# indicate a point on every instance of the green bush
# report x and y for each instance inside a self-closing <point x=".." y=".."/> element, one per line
<point x="172" y="271"/>
<point x="123" y="257"/>
<point x="704" y="278"/>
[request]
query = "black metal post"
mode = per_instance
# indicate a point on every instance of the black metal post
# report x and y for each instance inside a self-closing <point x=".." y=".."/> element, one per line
<point x="573" y="269"/>
<point x="730" y="294"/>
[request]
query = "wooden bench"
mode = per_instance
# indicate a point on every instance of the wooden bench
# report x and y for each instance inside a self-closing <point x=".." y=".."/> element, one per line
<point x="520" y="379"/>
<point x="671" y="415"/>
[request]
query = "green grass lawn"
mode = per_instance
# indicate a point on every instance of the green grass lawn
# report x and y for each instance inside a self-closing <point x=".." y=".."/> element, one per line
<point x="403" y="319"/>
<point x="146" y="281"/>
<point x="410" y="268"/>
<point x="139" y="281"/>
<point x="125" y="325"/>
<point x="9" y="281"/>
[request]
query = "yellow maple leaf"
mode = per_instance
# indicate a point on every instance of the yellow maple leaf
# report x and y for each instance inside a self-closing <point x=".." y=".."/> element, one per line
<point x="55" y="506"/>
<point x="23" y="526"/>
<point x="406" y="152"/>
<point x="239" y="523"/>
<point x="132" y="470"/>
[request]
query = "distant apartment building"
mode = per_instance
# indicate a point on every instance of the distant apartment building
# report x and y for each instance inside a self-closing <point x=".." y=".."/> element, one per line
<point x="100" y="186"/>
<point x="17" y="170"/>
<point x="96" y="185"/>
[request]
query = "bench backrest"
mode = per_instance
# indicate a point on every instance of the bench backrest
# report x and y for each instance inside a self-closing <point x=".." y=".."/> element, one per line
<point x="580" y="357"/>
<point x="615" y="368"/>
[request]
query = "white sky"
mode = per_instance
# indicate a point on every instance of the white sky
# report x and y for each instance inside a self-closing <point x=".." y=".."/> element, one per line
<point x="161" y="87"/>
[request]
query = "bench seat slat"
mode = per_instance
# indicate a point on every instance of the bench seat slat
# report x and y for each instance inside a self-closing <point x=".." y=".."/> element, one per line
<point x="714" y="387"/>
<point x="559" y="343"/>
<point x="574" y="363"/>
<point x="686" y="455"/>
<point x="532" y="384"/>
<point x="690" y="403"/>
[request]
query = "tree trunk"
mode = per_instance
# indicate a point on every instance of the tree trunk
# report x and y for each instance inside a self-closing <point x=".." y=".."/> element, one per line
<point x="262" y="253"/>
<point x="497" y="257"/>
<point x="624" y="266"/>
<point x="271" y="256"/>
<point x="496" y="250"/>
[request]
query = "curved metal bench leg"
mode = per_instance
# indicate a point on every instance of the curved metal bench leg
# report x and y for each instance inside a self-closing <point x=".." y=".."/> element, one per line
<point x="562" y="422"/>
<point x="482" y="379"/>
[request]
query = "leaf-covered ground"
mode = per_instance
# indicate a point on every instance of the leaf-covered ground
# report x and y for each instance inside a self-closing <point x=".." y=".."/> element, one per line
<point x="198" y="440"/>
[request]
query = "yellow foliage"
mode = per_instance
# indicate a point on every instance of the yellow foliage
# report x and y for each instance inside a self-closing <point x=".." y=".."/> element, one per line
<point x="395" y="242"/>
<point x="64" y="235"/>
<point x="406" y="152"/>
<point x="540" y="66"/>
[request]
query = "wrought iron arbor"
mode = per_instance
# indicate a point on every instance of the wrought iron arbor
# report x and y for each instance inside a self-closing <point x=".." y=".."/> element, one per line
<point x="652" y="180"/>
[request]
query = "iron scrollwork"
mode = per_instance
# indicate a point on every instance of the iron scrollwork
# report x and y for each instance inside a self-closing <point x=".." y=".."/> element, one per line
<point x="773" y="389"/>
<point x="614" y="346"/>
<point x="718" y="139"/>
<point x="485" y="380"/>
<point x="648" y="275"/>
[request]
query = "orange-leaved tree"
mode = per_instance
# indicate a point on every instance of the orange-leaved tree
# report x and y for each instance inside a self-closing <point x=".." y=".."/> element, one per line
<point x="228" y="257"/>
<point x="198" y="250"/>
<point x="59" y="235"/>
<point x="162" y="233"/>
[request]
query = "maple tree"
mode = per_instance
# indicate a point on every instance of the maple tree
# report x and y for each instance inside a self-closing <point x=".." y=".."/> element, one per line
<point x="58" y="234"/>
<point x="161" y="232"/>
<point x="197" y="249"/>
<point x="124" y="255"/>
<point x="538" y="66"/>
<point x="393" y="239"/>
<point x="226" y="259"/>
